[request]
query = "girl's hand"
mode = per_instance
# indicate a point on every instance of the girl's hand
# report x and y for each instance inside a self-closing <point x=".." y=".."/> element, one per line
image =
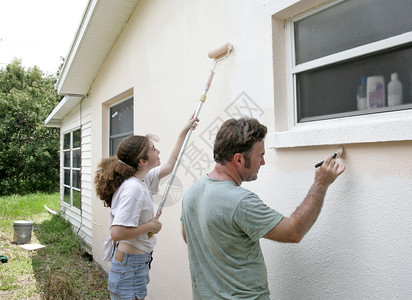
<point x="155" y="224"/>
<point x="168" y="167"/>
<point x="191" y="123"/>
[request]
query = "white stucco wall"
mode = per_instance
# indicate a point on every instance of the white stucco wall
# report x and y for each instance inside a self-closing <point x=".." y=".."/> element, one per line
<point x="360" y="246"/>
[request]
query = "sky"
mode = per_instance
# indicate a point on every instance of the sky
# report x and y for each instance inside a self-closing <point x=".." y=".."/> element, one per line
<point x="39" y="32"/>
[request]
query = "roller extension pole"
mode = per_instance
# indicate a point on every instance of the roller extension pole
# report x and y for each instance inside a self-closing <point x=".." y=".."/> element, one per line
<point x="218" y="54"/>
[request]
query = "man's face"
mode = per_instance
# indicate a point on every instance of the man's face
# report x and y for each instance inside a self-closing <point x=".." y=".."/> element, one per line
<point x="255" y="160"/>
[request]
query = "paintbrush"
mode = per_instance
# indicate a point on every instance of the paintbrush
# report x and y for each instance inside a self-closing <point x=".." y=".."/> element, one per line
<point x="335" y="155"/>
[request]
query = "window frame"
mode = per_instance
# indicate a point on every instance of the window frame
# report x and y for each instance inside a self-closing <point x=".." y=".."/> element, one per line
<point x="71" y="168"/>
<point x="123" y="134"/>
<point x="377" y="127"/>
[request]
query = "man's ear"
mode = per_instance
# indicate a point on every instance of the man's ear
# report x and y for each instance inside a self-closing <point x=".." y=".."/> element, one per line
<point x="237" y="158"/>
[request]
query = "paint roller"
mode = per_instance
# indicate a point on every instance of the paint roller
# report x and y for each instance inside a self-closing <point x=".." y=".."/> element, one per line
<point x="335" y="155"/>
<point x="220" y="51"/>
<point x="218" y="54"/>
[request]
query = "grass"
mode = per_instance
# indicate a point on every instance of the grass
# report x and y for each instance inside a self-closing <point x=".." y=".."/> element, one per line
<point x="61" y="270"/>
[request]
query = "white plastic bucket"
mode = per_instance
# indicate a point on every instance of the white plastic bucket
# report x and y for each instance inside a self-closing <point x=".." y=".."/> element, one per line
<point x="22" y="232"/>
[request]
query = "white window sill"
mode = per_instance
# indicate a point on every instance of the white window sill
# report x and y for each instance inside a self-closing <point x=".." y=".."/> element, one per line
<point x="71" y="208"/>
<point x="385" y="127"/>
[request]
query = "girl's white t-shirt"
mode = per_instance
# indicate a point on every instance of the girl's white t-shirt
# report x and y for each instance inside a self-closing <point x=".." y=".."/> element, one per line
<point x="133" y="205"/>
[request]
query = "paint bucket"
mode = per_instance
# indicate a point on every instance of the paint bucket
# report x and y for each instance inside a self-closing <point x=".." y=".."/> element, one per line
<point x="22" y="232"/>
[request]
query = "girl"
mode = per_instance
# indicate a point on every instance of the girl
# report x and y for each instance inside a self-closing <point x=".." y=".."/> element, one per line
<point x="125" y="183"/>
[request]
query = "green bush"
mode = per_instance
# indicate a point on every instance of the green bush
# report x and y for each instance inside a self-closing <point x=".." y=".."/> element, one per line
<point x="29" y="151"/>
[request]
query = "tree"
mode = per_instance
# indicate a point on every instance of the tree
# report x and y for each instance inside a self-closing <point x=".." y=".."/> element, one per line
<point x="29" y="151"/>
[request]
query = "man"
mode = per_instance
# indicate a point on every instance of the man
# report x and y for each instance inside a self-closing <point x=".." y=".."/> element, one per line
<point x="223" y="222"/>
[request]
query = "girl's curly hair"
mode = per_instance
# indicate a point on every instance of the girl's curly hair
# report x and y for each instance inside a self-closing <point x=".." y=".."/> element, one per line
<point x="111" y="172"/>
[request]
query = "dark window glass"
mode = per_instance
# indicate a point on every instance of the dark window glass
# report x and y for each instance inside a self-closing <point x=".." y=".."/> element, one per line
<point x="66" y="159"/>
<point x="121" y="123"/>
<point x="331" y="82"/>
<point x="333" y="90"/>
<point x="67" y="177"/>
<point x="76" y="179"/>
<point x="66" y="141"/>
<point x="76" y="139"/>
<point x="350" y="24"/>
<point x="77" y="199"/>
<point x="66" y="196"/>
<point x="76" y="158"/>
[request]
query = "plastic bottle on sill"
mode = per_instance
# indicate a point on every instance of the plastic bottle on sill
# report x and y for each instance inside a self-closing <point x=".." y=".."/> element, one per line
<point x="361" y="94"/>
<point x="395" y="96"/>
<point x="375" y="91"/>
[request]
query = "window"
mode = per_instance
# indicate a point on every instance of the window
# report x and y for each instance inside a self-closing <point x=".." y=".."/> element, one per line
<point x="121" y="123"/>
<point x="351" y="58"/>
<point x="72" y="168"/>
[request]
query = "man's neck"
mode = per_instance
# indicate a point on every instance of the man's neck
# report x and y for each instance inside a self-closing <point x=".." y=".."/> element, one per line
<point x="225" y="172"/>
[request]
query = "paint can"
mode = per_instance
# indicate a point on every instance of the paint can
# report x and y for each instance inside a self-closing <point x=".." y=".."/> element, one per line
<point x="22" y="232"/>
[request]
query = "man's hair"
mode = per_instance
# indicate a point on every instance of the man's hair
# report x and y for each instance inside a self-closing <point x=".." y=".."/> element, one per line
<point x="237" y="136"/>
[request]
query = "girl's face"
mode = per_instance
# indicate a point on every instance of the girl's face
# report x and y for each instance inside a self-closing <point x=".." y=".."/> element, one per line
<point x="153" y="156"/>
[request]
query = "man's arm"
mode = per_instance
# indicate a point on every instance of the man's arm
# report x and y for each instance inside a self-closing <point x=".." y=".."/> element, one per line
<point x="294" y="228"/>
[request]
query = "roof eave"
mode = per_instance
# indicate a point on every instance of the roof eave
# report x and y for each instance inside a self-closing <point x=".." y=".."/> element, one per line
<point x="100" y="27"/>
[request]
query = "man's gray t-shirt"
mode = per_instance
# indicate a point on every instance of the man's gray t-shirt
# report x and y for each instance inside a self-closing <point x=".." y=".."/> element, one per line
<point x="223" y="224"/>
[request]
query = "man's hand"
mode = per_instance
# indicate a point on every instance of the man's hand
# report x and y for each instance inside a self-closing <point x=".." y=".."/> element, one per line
<point x="294" y="228"/>
<point x="327" y="173"/>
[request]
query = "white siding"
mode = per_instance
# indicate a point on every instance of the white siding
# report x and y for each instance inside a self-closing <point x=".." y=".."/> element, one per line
<point x="80" y="117"/>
